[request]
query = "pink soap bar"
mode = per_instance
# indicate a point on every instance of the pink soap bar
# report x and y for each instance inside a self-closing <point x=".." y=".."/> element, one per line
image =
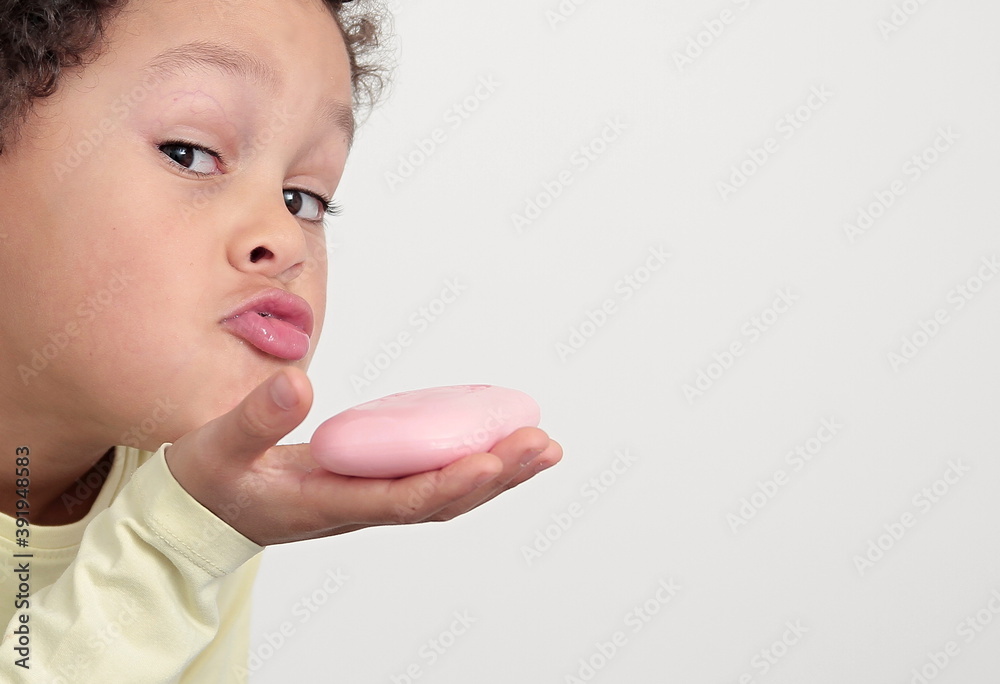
<point x="412" y="432"/>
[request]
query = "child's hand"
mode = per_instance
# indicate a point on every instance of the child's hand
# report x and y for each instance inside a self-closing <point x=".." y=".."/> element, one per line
<point x="275" y="494"/>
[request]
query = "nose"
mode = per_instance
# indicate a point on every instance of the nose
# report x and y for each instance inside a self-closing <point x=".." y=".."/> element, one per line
<point x="269" y="241"/>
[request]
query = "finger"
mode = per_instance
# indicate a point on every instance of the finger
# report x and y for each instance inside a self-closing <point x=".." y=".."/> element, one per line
<point x="549" y="456"/>
<point x="518" y="450"/>
<point x="552" y="454"/>
<point x="272" y="410"/>
<point x="290" y="457"/>
<point x="514" y="452"/>
<point x="405" y="500"/>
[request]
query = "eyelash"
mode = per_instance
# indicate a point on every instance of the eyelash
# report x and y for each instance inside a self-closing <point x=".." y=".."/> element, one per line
<point x="330" y="206"/>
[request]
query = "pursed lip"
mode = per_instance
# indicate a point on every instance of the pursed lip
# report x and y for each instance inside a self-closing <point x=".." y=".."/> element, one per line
<point x="277" y="303"/>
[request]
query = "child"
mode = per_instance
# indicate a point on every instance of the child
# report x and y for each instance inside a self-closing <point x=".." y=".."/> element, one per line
<point x="166" y="170"/>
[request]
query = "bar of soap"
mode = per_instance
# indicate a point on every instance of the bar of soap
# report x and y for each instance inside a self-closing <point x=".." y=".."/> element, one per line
<point x="420" y="430"/>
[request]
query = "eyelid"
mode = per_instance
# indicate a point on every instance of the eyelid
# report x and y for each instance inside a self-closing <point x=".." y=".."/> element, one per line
<point x="323" y="199"/>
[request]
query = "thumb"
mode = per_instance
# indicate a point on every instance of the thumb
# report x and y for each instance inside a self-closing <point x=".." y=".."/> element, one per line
<point x="272" y="410"/>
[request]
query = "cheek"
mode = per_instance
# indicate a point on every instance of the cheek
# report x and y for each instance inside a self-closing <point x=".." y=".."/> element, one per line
<point x="315" y="277"/>
<point x="129" y="329"/>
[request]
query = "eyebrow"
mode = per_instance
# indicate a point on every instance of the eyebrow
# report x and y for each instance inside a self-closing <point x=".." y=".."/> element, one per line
<point x="201" y="56"/>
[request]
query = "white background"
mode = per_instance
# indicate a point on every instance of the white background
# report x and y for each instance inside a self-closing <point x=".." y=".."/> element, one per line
<point x="810" y="554"/>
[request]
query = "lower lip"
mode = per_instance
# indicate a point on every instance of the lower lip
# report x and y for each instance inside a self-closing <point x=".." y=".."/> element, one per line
<point x="271" y="335"/>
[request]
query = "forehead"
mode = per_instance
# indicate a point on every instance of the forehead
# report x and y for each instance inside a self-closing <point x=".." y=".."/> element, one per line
<point x="279" y="45"/>
<point x="200" y="57"/>
<point x="264" y="23"/>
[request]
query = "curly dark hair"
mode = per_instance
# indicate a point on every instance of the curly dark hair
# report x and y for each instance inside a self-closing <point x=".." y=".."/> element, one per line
<point x="41" y="38"/>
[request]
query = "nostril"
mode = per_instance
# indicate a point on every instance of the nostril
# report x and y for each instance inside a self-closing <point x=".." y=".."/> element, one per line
<point x="259" y="253"/>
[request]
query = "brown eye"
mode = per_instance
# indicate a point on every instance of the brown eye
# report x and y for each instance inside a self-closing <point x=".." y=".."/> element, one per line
<point x="305" y="205"/>
<point x="200" y="160"/>
<point x="182" y="154"/>
<point x="293" y="200"/>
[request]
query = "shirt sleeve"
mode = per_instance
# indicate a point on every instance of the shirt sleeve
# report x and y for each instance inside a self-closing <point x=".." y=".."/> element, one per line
<point x="139" y="601"/>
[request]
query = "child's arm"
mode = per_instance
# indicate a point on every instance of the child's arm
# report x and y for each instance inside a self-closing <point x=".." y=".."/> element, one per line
<point x="155" y="558"/>
<point x="274" y="494"/>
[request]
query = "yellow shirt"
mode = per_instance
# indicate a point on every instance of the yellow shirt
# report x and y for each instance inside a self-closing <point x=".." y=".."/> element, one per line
<point x="150" y="586"/>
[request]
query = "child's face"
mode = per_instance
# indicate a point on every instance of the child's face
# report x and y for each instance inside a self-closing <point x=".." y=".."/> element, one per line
<point x="119" y="264"/>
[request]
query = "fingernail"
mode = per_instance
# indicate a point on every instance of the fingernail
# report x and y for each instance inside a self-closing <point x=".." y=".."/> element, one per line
<point x="283" y="393"/>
